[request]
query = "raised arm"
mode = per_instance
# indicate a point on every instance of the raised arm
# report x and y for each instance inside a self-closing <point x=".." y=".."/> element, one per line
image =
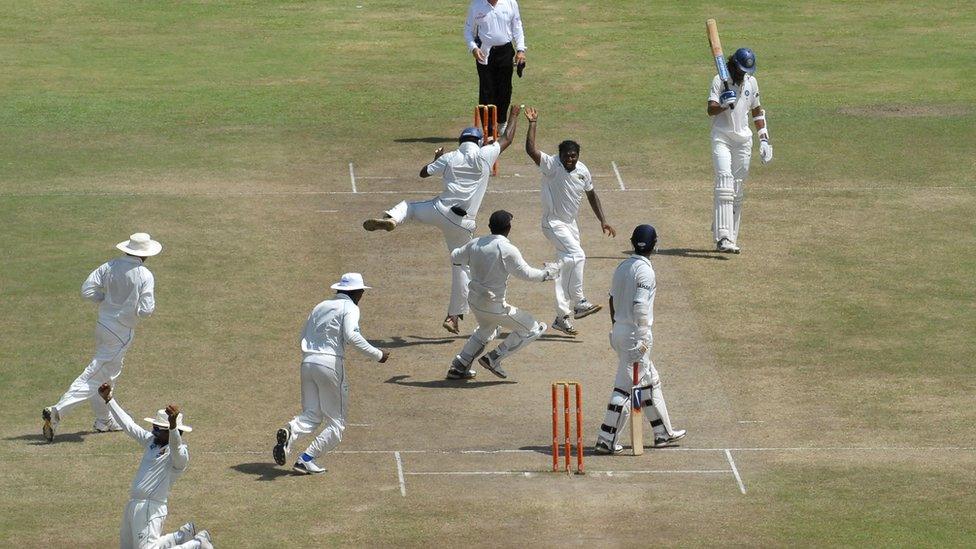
<point x="594" y="201"/>
<point x="132" y="429"/>
<point x="179" y="455"/>
<point x="434" y="167"/>
<point x="350" y="332"/>
<point x="506" y="139"/>
<point x="91" y="288"/>
<point x="532" y="116"/>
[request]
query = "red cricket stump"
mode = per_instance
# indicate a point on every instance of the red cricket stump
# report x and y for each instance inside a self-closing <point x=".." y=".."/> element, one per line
<point x="566" y="439"/>
<point x="486" y="118"/>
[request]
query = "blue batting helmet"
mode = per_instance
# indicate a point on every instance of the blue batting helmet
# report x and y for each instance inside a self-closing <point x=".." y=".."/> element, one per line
<point x="644" y="238"/>
<point x="745" y="60"/>
<point x="471" y="134"/>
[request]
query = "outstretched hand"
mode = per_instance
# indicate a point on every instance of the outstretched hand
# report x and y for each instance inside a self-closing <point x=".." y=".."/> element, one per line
<point x="105" y="391"/>
<point x="438" y="152"/>
<point x="609" y="231"/>
<point x="172" y="412"/>
<point x="531" y="114"/>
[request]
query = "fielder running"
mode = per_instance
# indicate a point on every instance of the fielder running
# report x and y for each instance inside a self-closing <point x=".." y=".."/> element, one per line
<point x="632" y="314"/>
<point x="123" y="289"/>
<point x="465" y="172"/>
<point x="165" y="459"/>
<point x="732" y="144"/>
<point x="564" y="181"/>
<point x="492" y="259"/>
<point x="325" y="392"/>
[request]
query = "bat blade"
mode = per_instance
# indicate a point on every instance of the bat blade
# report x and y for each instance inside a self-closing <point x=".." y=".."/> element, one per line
<point x="636" y="416"/>
<point x="713" y="40"/>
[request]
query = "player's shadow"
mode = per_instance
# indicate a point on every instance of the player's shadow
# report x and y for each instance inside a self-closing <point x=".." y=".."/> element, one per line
<point x="397" y="342"/>
<point x="425" y="139"/>
<point x="37" y="439"/>
<point x="263" y="470"/>
<point x="693" y="253"/>
<point x="447" y="383"/>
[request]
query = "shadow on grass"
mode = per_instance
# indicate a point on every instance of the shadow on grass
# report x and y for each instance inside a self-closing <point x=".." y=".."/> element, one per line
<point x="425" y="139"/>
<point x="398" y="342"/>
<point x="37" y="439"/>
<point x="263" y="470"/>
<point x="693" y="253"/>
<point x="446" y="383"/>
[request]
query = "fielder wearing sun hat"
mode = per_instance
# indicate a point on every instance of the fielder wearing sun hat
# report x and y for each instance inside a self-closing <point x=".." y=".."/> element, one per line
<point x="141" y="245"/>
<point x="162" y="420"/>
<point x="350" y="282"/>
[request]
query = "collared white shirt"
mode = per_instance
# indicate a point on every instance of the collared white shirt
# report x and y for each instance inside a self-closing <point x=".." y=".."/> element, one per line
<point x="331" y="324"/>
<point x="160" y="465"/>
<point x="562" y="191"/>
<point x="123" y="288"/>
<point x="491" y="260"/>
<point x="633" y="283"/>
<point x="735" y="122"/>
<point x="466" y="171"/>
<point x="495" y="25"/>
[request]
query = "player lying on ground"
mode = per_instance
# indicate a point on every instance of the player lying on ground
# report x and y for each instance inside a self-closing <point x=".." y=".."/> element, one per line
<point x="465" y="173"/>
<point x="325" y="393"/>
<point x="732" y="143"/>
<point x="165" y="459"/>
<point x="564" y="181"/>
<point x="123" y="289"/>
<point x="492" y="259"/>
<point x="632" y="314"/>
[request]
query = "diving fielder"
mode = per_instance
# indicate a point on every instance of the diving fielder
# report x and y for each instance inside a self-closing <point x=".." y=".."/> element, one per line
<point x="123" y="288"/>
<point x="492" y="259"/>
<point x="632" y="314"/>
<point x="732" y="143"/>
<point x="564" y="181"/>
<point x="465" y="172"/>
<point x="325" y="392"/>
<point x="165" y="459"/>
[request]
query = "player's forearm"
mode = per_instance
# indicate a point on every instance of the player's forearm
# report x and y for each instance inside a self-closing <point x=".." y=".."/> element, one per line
<point x="714" y="109"/>
<point x="597" y="207"/>
<point x="122" y="418"/>
<point x="759" y="120"/>
<point x="530" y="148"/>
<point x="180" y="457"/>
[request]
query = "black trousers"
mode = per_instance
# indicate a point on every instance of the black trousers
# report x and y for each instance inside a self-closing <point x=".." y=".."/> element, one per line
<point x="495" y="79"/>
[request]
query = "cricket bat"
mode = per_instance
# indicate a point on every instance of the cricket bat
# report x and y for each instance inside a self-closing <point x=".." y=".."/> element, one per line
<point x="716" y="44"/>
<point x="636" y="416"/>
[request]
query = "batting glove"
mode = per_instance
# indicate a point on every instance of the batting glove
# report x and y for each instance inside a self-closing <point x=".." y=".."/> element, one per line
<point x="727" y="99"/>
<point x="765" y="152"/>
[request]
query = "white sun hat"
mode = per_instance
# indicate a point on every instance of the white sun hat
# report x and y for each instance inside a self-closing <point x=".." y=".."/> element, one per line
<point x="162" y="420"/>
<point x="140" y="244"/>
<point x="350" y="281"/>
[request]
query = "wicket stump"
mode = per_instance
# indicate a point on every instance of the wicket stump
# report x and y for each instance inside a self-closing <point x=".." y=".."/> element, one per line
<point x="486" y="118"/>
<point x="555" y="425"/>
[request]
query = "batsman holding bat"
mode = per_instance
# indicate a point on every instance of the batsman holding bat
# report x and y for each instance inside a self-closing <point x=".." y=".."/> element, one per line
<point x="733" y="97"/>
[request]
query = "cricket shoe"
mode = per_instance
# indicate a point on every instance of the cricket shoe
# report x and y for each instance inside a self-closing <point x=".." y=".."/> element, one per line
<point x="385" y="224"/>
<point x="666" y="440"/>
<point x="461" y="374"/>
<point x="206" y="542"/>
<point x="451" y="324"/>
<point x="493" y="364"/>
<point x="106" y="426"/>
<point x="603" y="447"/>
<point x="584" y="308"/>
<point x="283" y="446"/>
<point x="307" y="467"/>
<point x="186" y="532"/>
<point x="726" y="246"/>
<point x="51" y="419"/>
<point x="562" y="324"/>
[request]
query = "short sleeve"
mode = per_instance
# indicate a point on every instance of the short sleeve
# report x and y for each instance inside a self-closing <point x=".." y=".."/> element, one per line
<point x="547" y="163"/>
<point x="645" y="286"/>
<point x="491" y="152"/>
<point x="439" y="165"/>
<point x="586" y="178"/>
<point x="755" y="93"/>
<point x="714" y="91"/>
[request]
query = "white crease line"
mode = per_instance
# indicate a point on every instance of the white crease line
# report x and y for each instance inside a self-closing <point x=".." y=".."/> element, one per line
<point x="399" y="464"/>
<point x="620" y="180"/>
<point x="410" y="178"/>
<point x="735" y="471"/>
<point x="352" y="177"/>
<point x="591" y="472"/>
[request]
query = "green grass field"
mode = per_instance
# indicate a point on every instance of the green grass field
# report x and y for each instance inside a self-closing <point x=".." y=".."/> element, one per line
<point x="830" y="357"/>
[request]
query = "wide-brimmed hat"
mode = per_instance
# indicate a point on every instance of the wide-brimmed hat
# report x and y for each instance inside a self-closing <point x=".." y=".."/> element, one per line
<point x="140" y="244"/>
<point x="162" y="420"/>
<point x="350" y="281"/>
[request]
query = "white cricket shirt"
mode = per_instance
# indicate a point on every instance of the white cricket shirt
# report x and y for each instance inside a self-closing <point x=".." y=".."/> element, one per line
<point x="491" y="260"/>
<point x="160" y="465"/>
<point x="331" y="324"/>
<point x="123" y="288"/>
<point x="633" y="282"/>
<point x="562" y="191"/>
<point x="495" y="25"/>
<point x="466" y="171"/>
<point x="735" y="122"/>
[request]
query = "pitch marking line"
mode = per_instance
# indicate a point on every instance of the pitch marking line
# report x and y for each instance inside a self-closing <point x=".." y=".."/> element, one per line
<point x="623" y="472"/>
<point x="352" y="177"/>
<point x="735" y="471"/>
<point x="399" y="466"/>
<point x="620" y="180"/>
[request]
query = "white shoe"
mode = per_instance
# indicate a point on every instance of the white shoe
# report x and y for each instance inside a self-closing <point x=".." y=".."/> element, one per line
<point x="726" y="246"/>
<point x="307" y="467"/>
<point x="206" y="542"/>
<point x="584" y="308"/>
<point x="668" y="440"/>
<point x="51" y="419"/>
<point x="603" y="447"/>
<point x="186" y="532"/>
<point x="283" y="446"/>
<point x="562" y="324"/>
<point x="385" y="224"/>
<point x="106" y="426"/>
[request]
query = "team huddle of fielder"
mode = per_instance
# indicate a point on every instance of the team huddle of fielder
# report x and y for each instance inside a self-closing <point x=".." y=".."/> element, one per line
<point x="480" y="267"/>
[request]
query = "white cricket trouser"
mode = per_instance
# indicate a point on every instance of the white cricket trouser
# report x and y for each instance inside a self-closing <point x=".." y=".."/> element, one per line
<point x="623" y="338"/>
<point x="569" y="282"/>
<point x="325" y="399"/>
<point x="110" y="347"/>
<point x="490" y="316"/>
<point x="731" y="160"/>
<point x="457" y="232"/>
<point x="142" y="527"/>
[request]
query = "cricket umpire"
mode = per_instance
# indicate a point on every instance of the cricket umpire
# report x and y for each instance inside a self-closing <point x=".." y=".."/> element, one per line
<point x="491" y="28"/>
